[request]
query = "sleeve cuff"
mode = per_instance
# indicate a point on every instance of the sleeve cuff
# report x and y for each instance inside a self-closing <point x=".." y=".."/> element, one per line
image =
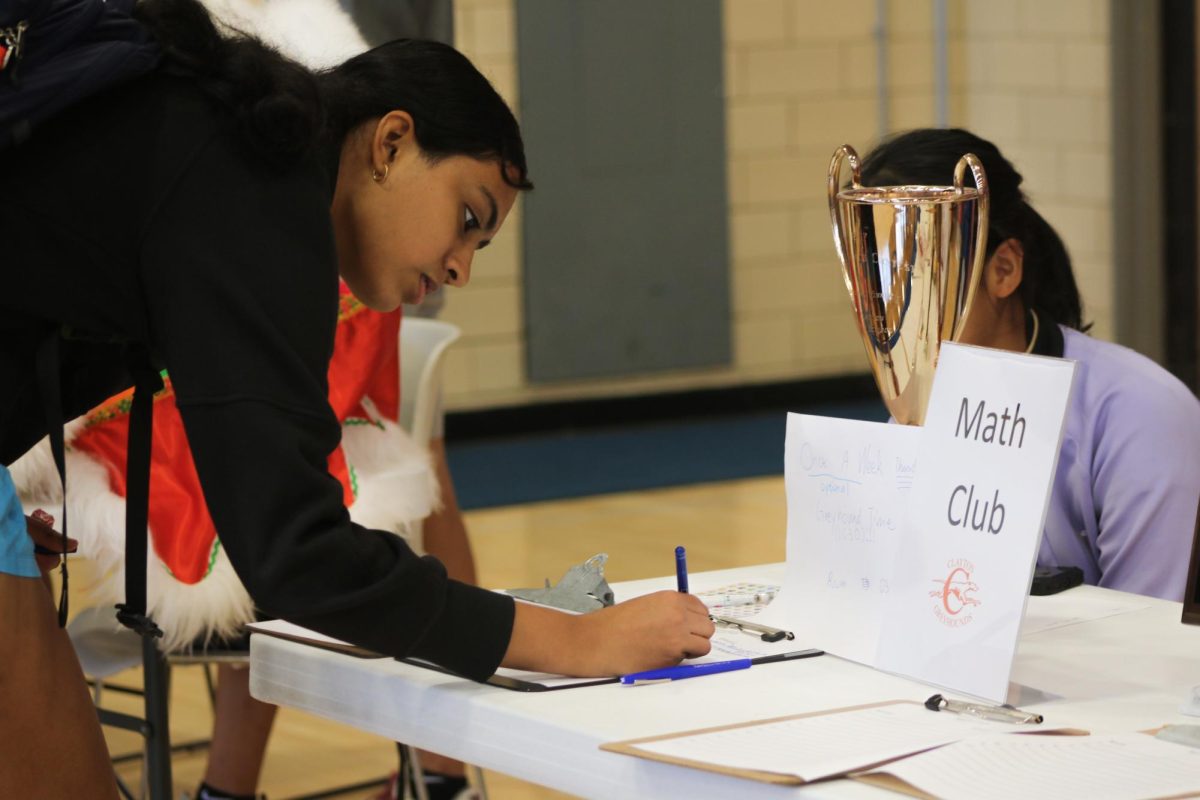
<point x="472" y="633"/>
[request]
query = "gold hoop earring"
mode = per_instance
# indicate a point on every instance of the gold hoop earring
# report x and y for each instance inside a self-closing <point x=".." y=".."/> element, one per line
<point x="380" y="177"/>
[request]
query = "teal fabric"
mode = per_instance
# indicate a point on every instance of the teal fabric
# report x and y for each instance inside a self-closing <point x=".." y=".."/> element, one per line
<point x="16" y="548"/>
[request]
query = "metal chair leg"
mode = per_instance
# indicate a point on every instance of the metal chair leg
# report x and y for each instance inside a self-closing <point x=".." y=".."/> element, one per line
<point x="417" y="774"/>
<point x="123" y="789"/>
<point x="157" y="682"/>
<point x="211" y="684"/>
<point x="475" y="778"/>
<point x="413" y="779"/>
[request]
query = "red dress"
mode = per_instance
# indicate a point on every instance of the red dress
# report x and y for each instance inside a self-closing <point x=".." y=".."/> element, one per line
<point x="365" y="366"/>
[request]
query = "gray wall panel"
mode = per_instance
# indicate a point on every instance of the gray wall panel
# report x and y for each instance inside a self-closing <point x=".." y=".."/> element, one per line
<point x="626" y="244"/>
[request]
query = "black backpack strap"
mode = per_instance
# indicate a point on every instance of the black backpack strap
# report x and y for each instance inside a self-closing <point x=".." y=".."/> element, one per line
<point x="146" y="381"/>
<point x="49" y="383"/>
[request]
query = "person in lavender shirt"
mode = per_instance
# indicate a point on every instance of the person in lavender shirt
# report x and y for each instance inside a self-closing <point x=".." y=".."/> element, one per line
<point x="1123" y="507"/>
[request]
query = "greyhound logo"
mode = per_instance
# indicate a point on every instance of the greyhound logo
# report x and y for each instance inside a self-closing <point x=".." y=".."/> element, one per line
<point x="955" y="594"/>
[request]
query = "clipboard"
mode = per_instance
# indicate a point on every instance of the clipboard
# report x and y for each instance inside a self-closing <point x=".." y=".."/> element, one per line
<point x="517" y="684"/>
<point x="294" y="633"/>
<point x="632" y="747"/>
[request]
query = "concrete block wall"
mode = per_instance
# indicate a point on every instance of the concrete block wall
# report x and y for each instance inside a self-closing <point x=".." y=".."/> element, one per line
<point x="801" y="79"/>
<point x="1037" y="83"/>
<point x="486" y="367"/>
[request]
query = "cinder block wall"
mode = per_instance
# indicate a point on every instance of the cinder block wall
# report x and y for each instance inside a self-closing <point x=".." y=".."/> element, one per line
<point x="1037" y="83"/>
<point x="800" y="79"/>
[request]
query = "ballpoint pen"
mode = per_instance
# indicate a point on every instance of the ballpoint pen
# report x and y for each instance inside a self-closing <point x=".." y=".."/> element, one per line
<point x="696" y="670"/>
<point x="982" y="711"/>
<point x="681" y="568"/>
<point x="682" y="671"/>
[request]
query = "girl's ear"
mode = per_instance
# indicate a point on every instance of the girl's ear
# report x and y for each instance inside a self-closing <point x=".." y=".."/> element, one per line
<point x="393" y="133"/>
<point x="1005" y="269"/>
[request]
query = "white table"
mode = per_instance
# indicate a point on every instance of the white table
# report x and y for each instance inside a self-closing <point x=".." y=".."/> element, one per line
<point x="1129" y="670"/>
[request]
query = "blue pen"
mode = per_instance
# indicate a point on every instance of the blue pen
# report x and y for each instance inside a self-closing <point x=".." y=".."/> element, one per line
<point x="684" y="671"/>
<point x="681" y="568"/>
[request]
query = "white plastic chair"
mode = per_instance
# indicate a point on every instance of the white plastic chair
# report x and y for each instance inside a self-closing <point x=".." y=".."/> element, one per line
<point x="423" y="343"/>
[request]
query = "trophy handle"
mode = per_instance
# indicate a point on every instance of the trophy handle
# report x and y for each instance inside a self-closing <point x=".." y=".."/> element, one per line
<point x="843" y="153"/>
<point x="971" y="161"/>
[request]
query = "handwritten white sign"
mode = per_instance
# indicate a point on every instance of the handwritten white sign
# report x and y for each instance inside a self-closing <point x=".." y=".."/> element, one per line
<point x="848" y="484"/>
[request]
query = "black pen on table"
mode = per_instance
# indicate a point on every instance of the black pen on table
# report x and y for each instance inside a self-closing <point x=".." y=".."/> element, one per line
<point x="681" y="568"/>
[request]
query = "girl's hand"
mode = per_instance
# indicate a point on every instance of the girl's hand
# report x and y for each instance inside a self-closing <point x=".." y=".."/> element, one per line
<point x="40" y="526"/>
<point x="656" y="630"/>
<point x="647" y="632"/>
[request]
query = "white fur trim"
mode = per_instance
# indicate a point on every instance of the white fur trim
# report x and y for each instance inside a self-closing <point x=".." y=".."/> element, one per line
<point x="34" y="473"/>
<point x="317" y="33"/>
<point x="397" y="489"/>
<point x="397" y="486"/>
<point x="218" y="605"/>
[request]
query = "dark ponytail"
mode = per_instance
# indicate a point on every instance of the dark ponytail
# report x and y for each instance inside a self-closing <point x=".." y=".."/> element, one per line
<point x="1048" y="282"/>
<point x="927" y="156"/>
<point x="285" y="110"/>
